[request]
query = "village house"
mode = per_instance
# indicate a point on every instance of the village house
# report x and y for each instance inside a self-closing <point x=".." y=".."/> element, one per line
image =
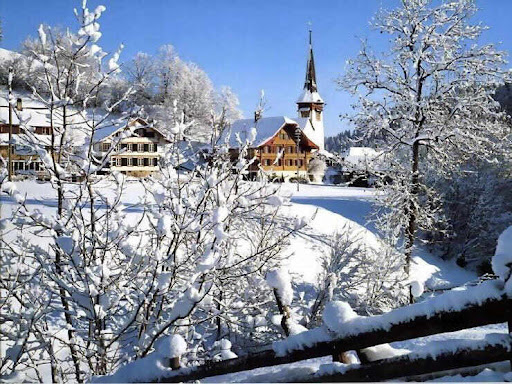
<point x="137" y="153"/>
<point x="275" y="146"/>
<point x="24" y="158"/>
<point x="283" y="146"/>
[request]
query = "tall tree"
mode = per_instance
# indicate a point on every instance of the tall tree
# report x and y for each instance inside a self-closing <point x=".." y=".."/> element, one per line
<point x="429" y="100"/>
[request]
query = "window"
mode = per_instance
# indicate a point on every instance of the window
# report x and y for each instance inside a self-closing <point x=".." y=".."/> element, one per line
<point x="280" y="163"/>
<point x="105" y="147"/>
<point x="124" y="162"/>
<point x="155" y="160"/>
<point x="124" y="146"/>
<point x="146" y="148"/>
<point x="18" y="165"/>
<point x="155" y="147"/>
<point x="318" y="115"/>
<point x="146" y="160"/>
<point x="135" y="162"/>
<point x="304" y="113"/>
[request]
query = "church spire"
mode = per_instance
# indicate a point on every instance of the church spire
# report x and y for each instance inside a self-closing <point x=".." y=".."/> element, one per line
<point x="310" y="83"/>
<point x="309" y="104"/>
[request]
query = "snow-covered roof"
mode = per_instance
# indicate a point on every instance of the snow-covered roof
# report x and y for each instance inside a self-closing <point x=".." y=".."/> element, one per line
<point x="309" y="97"/>
<point x="34" y="111"/>
<point x="326" y="153"/>
<point x="108" y="131"/>
<point x="360" y="156"/>
<point x="266" y="128"/>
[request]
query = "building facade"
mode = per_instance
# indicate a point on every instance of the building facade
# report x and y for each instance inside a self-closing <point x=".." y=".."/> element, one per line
<point x="280" y="147"/>
<point x="138" y="151"/>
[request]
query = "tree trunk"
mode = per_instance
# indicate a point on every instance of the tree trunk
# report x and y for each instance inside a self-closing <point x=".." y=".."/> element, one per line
<point x="411" y="228"/>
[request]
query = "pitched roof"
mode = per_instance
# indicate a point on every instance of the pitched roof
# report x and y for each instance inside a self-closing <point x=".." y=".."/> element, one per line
<point x="34" y="111"/>
<point x="310" y="82"/>
<point x="266" y="128"/>
<point x="310" y="91"/>
<point x="309" y="97"/>
<point x="106" y="132"/>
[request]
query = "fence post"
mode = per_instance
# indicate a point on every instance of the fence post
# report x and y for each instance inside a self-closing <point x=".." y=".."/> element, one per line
<point x="174" y="363"/>
<point x="343" y="357"/>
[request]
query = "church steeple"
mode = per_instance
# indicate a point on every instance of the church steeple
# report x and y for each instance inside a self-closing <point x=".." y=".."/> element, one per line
<point x="310" y="83"/>
<point x="309" y="104"/>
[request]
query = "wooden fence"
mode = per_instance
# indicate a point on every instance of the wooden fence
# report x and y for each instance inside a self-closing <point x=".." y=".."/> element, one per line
<point x="491" y="311"/>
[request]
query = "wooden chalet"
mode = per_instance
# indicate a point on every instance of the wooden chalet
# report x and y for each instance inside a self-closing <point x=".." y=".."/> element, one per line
<point x="275" y="147"/>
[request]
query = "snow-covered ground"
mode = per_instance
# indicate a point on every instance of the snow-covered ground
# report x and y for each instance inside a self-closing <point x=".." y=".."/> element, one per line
<point x="337" y="207"/>
<point x="328" y="209"/>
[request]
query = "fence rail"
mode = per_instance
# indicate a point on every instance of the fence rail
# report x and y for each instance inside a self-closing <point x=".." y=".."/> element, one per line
<point x="491" y="311"/>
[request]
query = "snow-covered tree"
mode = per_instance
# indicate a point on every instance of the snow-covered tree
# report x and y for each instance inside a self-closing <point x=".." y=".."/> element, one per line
<point x="140" y="72"/>
<point x="89" y="286"/>
<point x="428" y="99"/>
<point x="65" y="267"/>
<point x="171" y="90"/>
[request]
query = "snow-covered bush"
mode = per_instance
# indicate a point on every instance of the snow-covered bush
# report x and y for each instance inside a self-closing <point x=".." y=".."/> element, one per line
<point x="316" y="169"/>
<point x="370" y="280"/>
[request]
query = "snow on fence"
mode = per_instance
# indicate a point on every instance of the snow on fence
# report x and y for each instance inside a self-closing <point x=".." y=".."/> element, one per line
<point x="459" y="309"/>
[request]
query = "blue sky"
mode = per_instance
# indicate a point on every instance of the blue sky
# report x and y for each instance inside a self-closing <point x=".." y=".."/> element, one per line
<point x="247" y="44"/>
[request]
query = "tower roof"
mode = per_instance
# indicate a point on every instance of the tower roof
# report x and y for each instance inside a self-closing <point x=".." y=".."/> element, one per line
<point x="310" y="91"/>
<point x="310" y="83"/>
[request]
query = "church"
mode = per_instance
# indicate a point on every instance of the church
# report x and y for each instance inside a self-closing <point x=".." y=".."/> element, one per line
<point x="284" y="146"/>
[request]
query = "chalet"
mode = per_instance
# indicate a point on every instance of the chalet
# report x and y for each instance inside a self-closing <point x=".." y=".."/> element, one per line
<point x="281" y="147"/>
<point x="137" y="152"/>
<point x="284" y="146"/>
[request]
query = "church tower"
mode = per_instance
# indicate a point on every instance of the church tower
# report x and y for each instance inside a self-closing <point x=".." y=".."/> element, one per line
<point x="310" y="105"/>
